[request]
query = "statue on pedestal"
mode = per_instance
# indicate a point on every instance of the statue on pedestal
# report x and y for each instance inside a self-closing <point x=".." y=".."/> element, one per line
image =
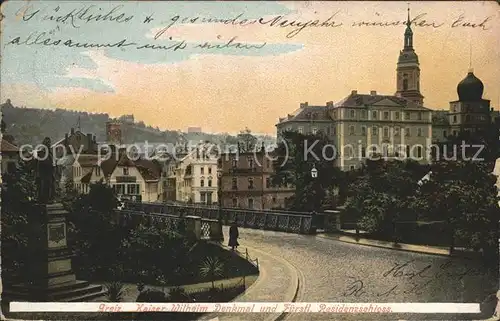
<point x="45" y="173"/>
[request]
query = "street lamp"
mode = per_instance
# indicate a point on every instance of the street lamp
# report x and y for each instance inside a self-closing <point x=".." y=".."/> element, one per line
<point x="314" y="172"/>
<point x="314" y="175"/>
<point x="219" y="193"/>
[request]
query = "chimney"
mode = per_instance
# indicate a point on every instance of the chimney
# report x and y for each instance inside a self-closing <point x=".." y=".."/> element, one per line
<point x="263" y="148"/>
<point x="66" y="139"/>
<point x="94" y="139"/>
<point x="303" y="105"/>
<point x="329" y="104"/>
<point x="354" y="92"/>
<point x="72" y="131"/>
<point x="373" y="93"/>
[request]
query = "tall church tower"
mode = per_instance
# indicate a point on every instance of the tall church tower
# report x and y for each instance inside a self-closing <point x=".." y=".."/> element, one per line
<point x="408" y="69"/>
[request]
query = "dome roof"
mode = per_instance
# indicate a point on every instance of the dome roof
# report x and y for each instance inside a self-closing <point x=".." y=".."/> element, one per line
<point x="470" y="88"/>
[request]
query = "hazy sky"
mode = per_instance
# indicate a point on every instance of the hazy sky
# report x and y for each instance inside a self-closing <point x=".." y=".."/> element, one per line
<point x="228" y="89"/>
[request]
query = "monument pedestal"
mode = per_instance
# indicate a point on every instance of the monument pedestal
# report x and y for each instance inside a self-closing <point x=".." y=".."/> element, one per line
<point x="50" y="276"/>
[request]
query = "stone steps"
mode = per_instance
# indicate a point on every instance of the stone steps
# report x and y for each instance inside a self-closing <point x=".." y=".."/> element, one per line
<point x="73" y="291"/>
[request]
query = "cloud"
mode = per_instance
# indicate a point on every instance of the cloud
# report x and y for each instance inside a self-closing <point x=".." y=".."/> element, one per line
<point x="49" y="67"/>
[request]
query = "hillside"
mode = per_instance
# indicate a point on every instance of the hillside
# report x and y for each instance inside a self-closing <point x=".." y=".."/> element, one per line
<point x="31" y="125"/>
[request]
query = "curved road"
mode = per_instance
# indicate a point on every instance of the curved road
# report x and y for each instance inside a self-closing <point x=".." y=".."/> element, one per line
<point x="333" y="271"/>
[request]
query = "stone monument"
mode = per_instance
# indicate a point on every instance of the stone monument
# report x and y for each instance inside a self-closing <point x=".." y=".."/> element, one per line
<point x="49" y="276"/>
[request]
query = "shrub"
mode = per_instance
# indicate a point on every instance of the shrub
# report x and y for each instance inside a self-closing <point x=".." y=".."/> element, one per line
<point x="115" y="291"/>
<point x="178" y="294"/>
<point x="151" y="296"/>
<point x="212" y="268"/>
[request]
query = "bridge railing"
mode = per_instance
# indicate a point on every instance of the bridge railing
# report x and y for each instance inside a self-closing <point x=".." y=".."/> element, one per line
<point x="294" y="222"/>
<point x="192" y="226"/>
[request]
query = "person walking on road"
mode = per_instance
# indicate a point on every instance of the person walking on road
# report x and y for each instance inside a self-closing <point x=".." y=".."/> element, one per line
<point x="233" y="236"/>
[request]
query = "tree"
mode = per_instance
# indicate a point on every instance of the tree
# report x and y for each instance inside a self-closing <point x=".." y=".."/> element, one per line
<point x="93" y="231"/>
<point x="212" y="268"/>
<point x="247" y="142"/>
<point x="381" y="195"/>
<point x="296" y="156"/>
<point x="18" y="198"/>
<point x="479" y="145"/>
<point x="463" y="193"/>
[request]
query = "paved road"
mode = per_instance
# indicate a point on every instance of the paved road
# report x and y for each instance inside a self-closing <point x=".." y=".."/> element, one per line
<point x="332" y="271"/>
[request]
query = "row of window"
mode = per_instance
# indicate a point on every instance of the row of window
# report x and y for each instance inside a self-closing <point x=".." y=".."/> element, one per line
<point x="127" y="189"/>
<point x="467" y="108"/>
<point x="352" y="131"/>
<point x="385" y="115"/>
<point x="386" y="151"/>
<point x="250" y="183"/>
<point x="202" y="170"/>
<point x="250" y="202"/>
<point x="206" y="198"/>
<point x="78" y="171"/>
<point x="202" y="183"/>
<point x="469" y="118"/>
<point x="251" y="163"/>
<point x="82" y="188"/>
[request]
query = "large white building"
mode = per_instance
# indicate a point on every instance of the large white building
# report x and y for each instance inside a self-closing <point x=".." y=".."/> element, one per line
<point x="362" y="124"/>
<point x="195" y="176"/>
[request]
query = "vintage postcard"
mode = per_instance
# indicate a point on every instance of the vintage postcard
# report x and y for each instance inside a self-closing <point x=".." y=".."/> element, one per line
<point x="245" y="160"/>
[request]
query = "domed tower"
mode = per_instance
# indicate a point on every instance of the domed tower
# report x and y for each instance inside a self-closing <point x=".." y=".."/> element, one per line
<point x="470" y="111"/>
<point x="408" y="69"/>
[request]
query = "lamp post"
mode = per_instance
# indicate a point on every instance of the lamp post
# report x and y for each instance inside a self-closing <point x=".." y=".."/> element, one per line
<point x="219" y="193"/>
<point x="314" y="175"/>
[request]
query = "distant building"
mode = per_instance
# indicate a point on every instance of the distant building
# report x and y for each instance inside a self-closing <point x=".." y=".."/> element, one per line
<point x="196" y="176"/>
<point x="66" y="150"/>
<point x="85" y="171"/>
<point x="308" y="120"/>
<point x="136" y="180"/>
<point x="9" y="156"/>
<point x="194" y="130"/>
<point x="398" y="124"/>
<point x="76" y="141"/>
<point x="469" y="113"/>
<point x="246" y="182"/>
<point x="127" y="119"/>
<point x="114" y="132"/>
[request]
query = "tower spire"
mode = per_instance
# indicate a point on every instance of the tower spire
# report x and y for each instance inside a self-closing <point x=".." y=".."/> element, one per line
<point x="408" y="32"/>
<point x="408" y="21"/>
<point x="470" y="56"/>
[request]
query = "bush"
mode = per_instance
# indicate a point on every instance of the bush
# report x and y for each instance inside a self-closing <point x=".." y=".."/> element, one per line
<point x="178" y="294"/>
<point x="115" y="291"/>
<point x="151" y="296"/>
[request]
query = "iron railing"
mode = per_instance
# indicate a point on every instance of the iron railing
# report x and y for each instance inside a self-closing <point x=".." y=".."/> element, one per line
<point x="285" y="221"/>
